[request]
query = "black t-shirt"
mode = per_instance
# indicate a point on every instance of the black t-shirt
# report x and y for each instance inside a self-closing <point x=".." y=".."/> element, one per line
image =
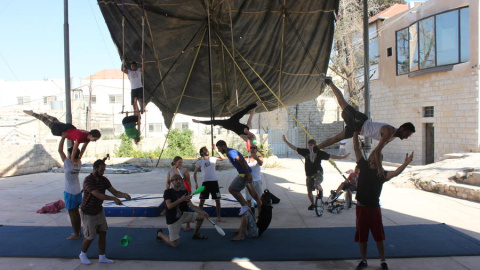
<point x="312" y="167"/>
<point x="264" y="219"/>
<point x="369" y="185"/>
<point x="174" y="214"/>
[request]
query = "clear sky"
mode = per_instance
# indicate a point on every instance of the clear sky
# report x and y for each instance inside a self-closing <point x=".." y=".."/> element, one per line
<point x="31" y="35"/>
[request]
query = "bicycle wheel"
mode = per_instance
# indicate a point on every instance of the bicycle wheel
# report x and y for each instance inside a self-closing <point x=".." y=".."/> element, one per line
<point x="319" y="205"/>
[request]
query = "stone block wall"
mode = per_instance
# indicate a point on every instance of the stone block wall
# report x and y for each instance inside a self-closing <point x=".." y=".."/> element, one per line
<point x="456" y="110"/>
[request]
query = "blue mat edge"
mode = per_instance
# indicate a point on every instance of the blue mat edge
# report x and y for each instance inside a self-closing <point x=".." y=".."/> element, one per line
<point x="371" y="244"/>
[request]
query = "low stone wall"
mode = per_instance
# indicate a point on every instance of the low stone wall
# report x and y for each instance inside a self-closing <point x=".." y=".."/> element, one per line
<point x="450" y="189"/>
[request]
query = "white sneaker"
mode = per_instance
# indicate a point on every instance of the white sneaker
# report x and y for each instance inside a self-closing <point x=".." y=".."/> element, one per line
<point x="243" y="210"/>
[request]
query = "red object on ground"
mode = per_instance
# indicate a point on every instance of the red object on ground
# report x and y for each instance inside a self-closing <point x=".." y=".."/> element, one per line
<point x="52" y="208"/>
<point x="187" y="185"/>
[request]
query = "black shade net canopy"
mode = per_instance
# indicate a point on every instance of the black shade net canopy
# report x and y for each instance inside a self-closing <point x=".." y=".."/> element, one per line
<point x="269" y="50"/>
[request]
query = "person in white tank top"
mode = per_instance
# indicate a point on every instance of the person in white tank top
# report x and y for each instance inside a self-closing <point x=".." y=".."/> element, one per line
<point x="135" y="76"/>
<point x="356" y="121"/>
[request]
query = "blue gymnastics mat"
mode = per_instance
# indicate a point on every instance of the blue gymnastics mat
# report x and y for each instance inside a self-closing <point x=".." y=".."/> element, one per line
<point x="274" y="245"/>
<point x="151" y="205"/>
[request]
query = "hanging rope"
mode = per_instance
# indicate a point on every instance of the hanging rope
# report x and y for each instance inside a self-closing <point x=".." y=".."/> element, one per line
<point x="123" y="56"/>
<point x="143" y="57"/>
<point x="233" y="50"/>
<point x="181" y="97"/>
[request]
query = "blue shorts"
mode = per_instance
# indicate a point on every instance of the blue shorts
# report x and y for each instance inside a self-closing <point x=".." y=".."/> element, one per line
<point x="72" y="201"/>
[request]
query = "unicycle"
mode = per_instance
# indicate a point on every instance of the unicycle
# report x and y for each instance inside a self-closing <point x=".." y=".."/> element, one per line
<point x="319" y="205"/>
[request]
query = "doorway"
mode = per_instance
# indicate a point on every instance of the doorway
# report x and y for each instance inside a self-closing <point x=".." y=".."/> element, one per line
<point x="429" y="143"/>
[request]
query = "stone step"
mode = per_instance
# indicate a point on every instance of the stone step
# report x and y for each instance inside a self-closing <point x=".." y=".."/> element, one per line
<point x="461" y="191"/>
<point x="469" y="177"/>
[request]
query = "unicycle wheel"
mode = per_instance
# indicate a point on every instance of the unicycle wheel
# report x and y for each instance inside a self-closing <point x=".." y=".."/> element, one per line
<point x="319" y="206"/>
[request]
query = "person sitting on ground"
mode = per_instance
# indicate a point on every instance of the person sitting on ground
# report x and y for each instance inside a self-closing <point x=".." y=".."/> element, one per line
<point x="233" y="123"/>
<point x="131" y="131"/>
<point x="349" y="186"/>
<point x="72" y="193"/>
<point x="357" y="121"/>
<point x="249" y="228"/>
<point x="368" y="211"/>
<point x="178" y="203"/>
<point x="207" y="165"/>
<point x="177" y="168"/>
<point x="313" y="167"/>
<point x="78" y="136"/>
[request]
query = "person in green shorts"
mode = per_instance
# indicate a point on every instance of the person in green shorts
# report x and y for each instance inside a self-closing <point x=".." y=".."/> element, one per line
<point x="130" y="123"/>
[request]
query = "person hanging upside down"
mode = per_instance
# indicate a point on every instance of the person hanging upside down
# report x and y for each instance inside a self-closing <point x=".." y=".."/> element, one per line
<point x="233" y="123"/>
<point x="78" y="136"/>
<point x="129" y="123"/>
<point x="357" y="121"/>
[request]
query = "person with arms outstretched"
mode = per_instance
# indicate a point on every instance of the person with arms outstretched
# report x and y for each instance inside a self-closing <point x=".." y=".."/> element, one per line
<point x="357" y="121"/>
<point x="368" y="212"/>
<point x="72" y="193"/>
<point x="207" y="165"/>
<point x="134" y="74"/>
<point x="313" y="167"/>
<point x="78" y="136"/>
<point x="233" y="123"/>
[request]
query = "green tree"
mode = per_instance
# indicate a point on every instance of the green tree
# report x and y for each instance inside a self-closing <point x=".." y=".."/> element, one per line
<point x="180" y="144"/>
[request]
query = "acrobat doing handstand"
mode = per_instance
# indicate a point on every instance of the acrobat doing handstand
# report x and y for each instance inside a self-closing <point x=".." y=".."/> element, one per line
<point x="78" y="136"/>
<point x="233" y="123"/>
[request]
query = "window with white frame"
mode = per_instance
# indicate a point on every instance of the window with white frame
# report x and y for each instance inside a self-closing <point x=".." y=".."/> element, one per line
<point x="181" y="125"/>
<point x="23" y="100"/>
<point x="155" y="127"/>
<point x="442" y="39"/>
<point x="87" y="99"/>
<point x="48" y="99"/>
<point x="115" y="99"/>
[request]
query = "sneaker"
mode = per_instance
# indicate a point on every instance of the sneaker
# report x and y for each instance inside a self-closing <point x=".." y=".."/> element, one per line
<point x="361" y="265"/>
<point x="243" y="210"/>
<point x="384" y="265"/>
<point x="311" y="207"/>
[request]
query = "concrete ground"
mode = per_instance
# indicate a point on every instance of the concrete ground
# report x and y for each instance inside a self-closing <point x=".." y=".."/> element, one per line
<point x="22" y="196"/>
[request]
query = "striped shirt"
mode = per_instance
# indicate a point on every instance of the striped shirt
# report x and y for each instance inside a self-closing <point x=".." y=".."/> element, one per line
<point x="92" y="205"/>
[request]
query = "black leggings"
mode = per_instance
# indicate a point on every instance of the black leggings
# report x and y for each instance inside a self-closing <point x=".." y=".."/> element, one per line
<point x="55" y="126"/>
<point x="233" y="123"/>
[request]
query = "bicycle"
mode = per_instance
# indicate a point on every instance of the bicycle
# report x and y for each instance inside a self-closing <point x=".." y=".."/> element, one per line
<point x="319" y="204"/>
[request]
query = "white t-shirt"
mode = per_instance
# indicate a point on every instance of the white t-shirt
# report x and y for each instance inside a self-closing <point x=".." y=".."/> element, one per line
<point x="342" y="144"/>
<point x="252" y="163"/>
<point x="208" y="168"/>
<point x="72" y="182"/>
<point x="135" y="77"/>
<point x="371" y="129"/>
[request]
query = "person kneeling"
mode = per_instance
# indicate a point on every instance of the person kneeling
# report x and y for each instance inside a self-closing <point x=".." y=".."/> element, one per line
<point x="178" y="203"/>
<point x="248" y="226"/>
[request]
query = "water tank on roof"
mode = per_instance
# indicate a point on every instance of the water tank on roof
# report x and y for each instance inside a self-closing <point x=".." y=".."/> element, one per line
<point x="56" y="105"/>
<point x="75" y="82"/>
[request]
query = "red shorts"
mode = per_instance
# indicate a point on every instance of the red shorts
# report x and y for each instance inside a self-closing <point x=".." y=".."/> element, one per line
<point x="369" y="219"/>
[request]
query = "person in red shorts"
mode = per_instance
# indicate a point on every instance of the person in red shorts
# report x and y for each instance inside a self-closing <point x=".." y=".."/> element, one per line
<point x="78" y="136"/>
<point x="368" y="212"/>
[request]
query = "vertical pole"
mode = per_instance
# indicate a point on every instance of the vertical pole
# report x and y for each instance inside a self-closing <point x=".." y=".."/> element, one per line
<point x="366" y="77"/>
<point x="66" y="51"/>
<point x="210" y="69"/>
